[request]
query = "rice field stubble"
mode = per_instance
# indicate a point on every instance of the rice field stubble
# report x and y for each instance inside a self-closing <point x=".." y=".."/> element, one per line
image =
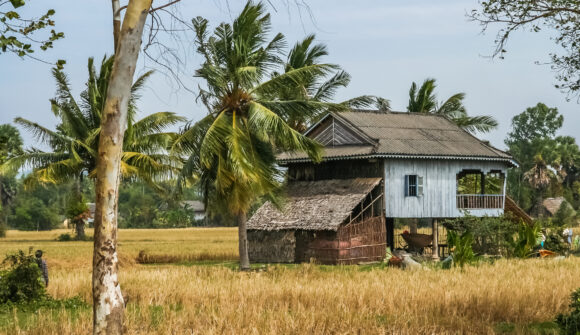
<point x="198" y="296"/>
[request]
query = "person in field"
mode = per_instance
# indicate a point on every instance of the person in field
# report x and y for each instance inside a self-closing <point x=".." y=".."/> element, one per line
<point x="42" y="266"/>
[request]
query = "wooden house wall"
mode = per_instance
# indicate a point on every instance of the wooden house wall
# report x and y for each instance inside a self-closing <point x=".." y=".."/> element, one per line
<point x="439" y="187"/>
<point x="346" y="169"/>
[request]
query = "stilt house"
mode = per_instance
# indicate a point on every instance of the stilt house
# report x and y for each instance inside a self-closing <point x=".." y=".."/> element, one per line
<point x="376" y="167"/>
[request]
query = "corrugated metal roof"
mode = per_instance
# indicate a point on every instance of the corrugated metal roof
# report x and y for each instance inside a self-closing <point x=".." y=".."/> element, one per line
<point x="314" y="205"/>
<point x="408" y="134"/>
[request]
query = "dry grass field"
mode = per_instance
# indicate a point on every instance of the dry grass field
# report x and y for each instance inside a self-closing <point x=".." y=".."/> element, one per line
<point x="200" y="296"/>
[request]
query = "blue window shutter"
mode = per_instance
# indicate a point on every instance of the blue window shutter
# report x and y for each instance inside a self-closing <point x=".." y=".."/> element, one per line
<point x="406" y="186"/>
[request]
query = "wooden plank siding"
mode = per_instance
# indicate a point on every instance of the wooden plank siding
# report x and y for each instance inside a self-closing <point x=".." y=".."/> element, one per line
<point x="439" y="198"/>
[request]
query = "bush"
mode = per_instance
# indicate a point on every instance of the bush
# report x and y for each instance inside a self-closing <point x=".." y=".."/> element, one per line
<point x="3" y="229"/>
<point x="526" y="239"/>
<point x="570" y="323"/>
<point x="66" y="237"/>
<point x="565" y="216"/>
<point x="555" y="242"/>
<point x="461" y="246"/>
<point x="21" y="279"/>
<point x="491" y="235"/>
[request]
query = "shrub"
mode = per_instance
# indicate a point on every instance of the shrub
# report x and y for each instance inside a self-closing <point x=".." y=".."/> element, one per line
<point x="461" y="246"/>
<point x="565" y="216"/>
<point x="555" y="242"/>
<point x="570" y="323"/>
<point x="525" y="241"/>
<point x="21" y="279"/>
<point x="64" y="237"/>
<point x="491" y="235"/>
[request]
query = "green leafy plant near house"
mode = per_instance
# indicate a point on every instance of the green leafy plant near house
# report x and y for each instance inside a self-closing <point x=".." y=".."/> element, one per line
<point x="462" y="248"/>
<point x="570" y="323"/>
<point x="525" y="241"/>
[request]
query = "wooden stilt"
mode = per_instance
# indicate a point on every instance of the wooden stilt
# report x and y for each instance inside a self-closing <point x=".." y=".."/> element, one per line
<point x="435" y="253"/>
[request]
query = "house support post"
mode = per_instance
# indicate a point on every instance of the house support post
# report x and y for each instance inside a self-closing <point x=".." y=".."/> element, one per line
<point x="390" y="223"/>
<point x="435" y="253"/>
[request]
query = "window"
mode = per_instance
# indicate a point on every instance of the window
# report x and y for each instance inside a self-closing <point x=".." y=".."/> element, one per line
<point x="413" y="185"/>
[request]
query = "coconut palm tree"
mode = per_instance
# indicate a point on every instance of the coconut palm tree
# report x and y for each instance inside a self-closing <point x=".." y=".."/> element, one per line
<point x="424" y="100"/>
<point x="232" y="150"/>
<point x="539" y="177"/>
<point x="320" y="87"/>
<point x="75" y="141"/>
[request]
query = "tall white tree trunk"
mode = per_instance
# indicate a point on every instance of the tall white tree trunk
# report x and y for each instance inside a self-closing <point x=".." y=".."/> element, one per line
<point x="108" y="304"/>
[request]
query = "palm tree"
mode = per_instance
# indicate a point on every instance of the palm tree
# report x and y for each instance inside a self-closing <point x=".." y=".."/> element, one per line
<point x="319" y="87"/>
<point x="424" y="100"/>
<point x="75" y="141"/>
<point x="232" y="150"/>
<point x="539" y="177"/>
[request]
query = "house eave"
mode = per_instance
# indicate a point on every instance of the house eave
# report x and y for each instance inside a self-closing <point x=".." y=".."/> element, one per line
<point x="509" y="161"/>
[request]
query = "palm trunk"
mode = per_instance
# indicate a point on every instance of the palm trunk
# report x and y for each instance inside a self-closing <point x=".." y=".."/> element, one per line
<point x="80" y="230"/>
<point x="243" y="242"/>
<point x="79" y="223"/>
<point x="108" y="303"/>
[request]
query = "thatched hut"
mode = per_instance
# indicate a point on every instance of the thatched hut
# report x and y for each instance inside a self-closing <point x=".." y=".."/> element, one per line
<point x="336" y="221"/>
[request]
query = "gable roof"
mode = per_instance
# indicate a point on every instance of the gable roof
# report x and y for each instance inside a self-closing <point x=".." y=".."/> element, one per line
<point x="314" y="205"/>
<point x="552" y="205"/>
<point x="400" y="135"/>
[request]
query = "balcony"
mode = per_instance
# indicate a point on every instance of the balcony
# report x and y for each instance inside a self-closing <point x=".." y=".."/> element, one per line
<point x="480" y="201"/>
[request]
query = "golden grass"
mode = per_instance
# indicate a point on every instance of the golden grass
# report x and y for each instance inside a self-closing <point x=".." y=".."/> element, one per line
<point x="302" y="299"/>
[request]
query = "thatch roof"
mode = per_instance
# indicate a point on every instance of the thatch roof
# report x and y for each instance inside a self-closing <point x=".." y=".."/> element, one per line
<point x="314" y="205"/>
<point x="552" y="205"/>
<point x="400" y="135"/>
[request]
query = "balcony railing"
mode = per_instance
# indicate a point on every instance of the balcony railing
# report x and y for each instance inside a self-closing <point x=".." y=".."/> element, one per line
<point x="479" y="201"/>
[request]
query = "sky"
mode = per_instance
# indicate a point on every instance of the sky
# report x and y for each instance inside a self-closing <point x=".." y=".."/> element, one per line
<point x="384" y="45"/>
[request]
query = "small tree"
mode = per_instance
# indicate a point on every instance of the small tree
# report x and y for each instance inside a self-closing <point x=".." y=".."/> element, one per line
<point x="77" y="213"/>
<point x="21" y="279"/>
<point x="570" y="323"/>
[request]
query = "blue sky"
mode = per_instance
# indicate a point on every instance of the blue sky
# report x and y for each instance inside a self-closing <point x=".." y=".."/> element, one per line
<point x="384" y="45"/>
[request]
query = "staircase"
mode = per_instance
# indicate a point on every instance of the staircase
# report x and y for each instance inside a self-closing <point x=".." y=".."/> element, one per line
<point x="516" y="211"/>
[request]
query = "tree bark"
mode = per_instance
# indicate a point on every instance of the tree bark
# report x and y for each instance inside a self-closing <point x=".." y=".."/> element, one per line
<point x="78" y="222"/>
<point x="80" y="229"/>
<point x="243" y="242"/>
<point x="116" y="22"/>
<point x="108" y="303"/>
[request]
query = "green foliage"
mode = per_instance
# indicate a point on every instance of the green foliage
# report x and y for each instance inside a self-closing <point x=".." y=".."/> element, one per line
<point x="491" y="235"/>
<point x="66" y="237"/>
<point x="565" y="216"/>
<point x="18" y="35"/>
<point x="461" y="248"/>
<point x="232" y="150"/>
<point x="141" y="207"/>
<point x="423" y="100"/>
<point x="32" y="213"/>
<point x="555" y="242"/>
<point x="21" y="279"/>
<point x="533" y="136"/>
<point x="559" y="16"/>
<point x="75" y="141"/>
<point x="526" y="239"/>
<point x="76" y="207"/>
<point x="570" y="323"/>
